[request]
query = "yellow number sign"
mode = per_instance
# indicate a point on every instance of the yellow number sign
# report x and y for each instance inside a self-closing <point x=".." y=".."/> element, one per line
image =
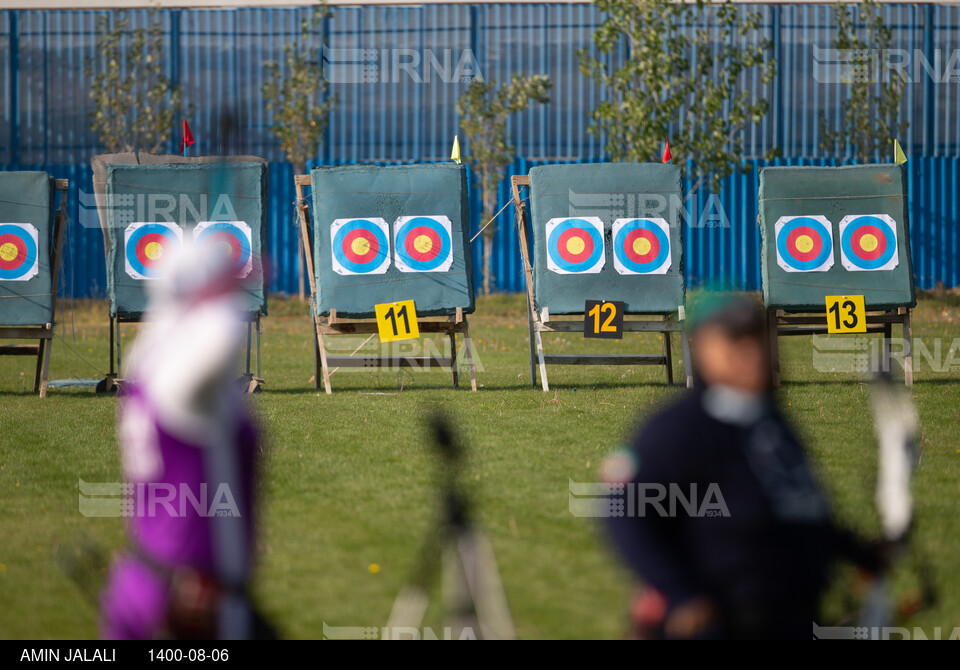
<point x="846" y="314"/>
<point x="397" y="321"/>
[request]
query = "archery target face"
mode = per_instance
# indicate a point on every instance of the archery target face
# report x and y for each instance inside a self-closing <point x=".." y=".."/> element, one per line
<point x="360" y="246"/>
<point x="804" y="243"/>
<point x="575" y="245"/>
<point x="150" y="247"/>
<point x="233" y="239"/>
<point x="423" y="243"/>
<point x="868" y="242"/>
<point x="19" y="252"/>
<point x="641" y="246"/>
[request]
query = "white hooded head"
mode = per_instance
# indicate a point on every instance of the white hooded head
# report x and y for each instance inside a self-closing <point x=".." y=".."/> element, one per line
<point x="185" y="356"/>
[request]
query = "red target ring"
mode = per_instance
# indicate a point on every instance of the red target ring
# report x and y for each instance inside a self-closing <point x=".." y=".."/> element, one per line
<point x="360" y="246"/>
<point x="431" y="245"/>
<point x="794" y="240"/>
<point x="11" y="261"/>
<point x="151" y="249"/>
<point x="228" y="240"/>
<point x="634" y="236"/>
<point x="861" y="245"/>
<point x="575" y="235"/>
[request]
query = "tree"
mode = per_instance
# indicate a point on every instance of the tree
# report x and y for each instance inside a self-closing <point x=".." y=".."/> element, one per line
<point x="296" y="93"/>
<point x="871" y="110"/>
<point x="679" y="80"/>
<point x="483" y="111"/>
<point x="134" y="102"/>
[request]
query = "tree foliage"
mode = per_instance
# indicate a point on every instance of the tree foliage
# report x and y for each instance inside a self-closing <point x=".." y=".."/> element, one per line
<point x="871" y="109"/>
<point x="134" y="103"/>
<point x="679" y="79"/>
<point x="484" y="109"/>
<point x="296" y="92"/>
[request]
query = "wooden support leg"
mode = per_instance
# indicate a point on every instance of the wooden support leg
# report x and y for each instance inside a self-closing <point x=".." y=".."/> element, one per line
<point x="108" y="383"/>
<point x="113" y="370"/>
<point x="325" y="369"/>
<point x="774" y="348"/>
<point x="317" y="368"/>
<point x="249" y="344"/>
<point x="468" y="349"/>
<point x="533" y="346"/>
<point x="907" y="351"/>
<point x="259" y="357"/>
<point x="543" y="364"/>
<point x="453" y="359"/>
<point x="45" y="373"/>
<point x="119" y="350"/>
<point x="36" y="379"/>
<point x="885" y="356"/>
<point x="687" y="361"/>
<point x="668" y="357"/>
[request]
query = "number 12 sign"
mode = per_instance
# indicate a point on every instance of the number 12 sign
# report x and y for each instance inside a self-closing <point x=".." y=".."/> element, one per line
<point x="846" y="314"/>
<point x="397" y="321"/>
<point x="604" y="319"/>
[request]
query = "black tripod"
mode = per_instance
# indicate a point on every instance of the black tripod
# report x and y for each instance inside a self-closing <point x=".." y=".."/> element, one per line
<point x="473" y="601"/>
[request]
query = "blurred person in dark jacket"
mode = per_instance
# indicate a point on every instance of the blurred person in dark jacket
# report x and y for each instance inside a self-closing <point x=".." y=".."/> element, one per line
<point x="750" y="557"/>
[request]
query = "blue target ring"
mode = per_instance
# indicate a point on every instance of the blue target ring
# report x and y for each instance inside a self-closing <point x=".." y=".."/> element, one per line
<point x="622" y="246"/>
<point x="368" y="230"/>
<point x="582" y="229"/>
<point x="787" y="253"/>
<point x="18" y="239"/>
<point x="855" y="256"/>
<point x="404" y="244"/>
<point x="154" y="231"/>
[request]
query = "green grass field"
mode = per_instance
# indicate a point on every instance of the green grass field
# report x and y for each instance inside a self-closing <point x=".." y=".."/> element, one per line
<point x="349" y="478"/>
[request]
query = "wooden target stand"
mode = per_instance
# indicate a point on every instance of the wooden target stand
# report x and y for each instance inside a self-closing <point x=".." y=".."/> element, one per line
<point x="783" y="323"/>
<point x="540" y="322"/>
<point x="43" y="333"/>
<point x="335" y="325"/>
<point x="248" y="381"/>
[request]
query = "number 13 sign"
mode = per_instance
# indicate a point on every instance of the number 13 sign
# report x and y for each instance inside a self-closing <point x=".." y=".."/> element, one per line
<point x="397" y="321"/>
<point x="846" y="314"/>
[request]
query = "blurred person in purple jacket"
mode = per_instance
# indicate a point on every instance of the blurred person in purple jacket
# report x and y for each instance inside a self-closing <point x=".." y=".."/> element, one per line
<point x="189" y="452"/>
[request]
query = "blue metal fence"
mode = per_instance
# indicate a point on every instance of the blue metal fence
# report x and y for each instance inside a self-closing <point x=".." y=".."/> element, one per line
<point x="404" y="110"/>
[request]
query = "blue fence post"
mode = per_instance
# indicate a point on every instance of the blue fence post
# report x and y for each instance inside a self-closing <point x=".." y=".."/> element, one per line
<point x="929" y="86"/>
<point x="174" y="51"/>
<point x="14" y="89"/>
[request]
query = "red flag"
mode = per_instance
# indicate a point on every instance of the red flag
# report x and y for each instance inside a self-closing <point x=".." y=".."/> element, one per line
<point x="666" y="152"/>
<point x="187" y="138"/>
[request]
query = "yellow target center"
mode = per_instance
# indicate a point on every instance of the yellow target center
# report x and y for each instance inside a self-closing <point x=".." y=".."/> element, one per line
<point x="423" y="244"/>
<point x="8" y="251"/>
<point x="575" y="245"/>
<point x="360" y="246"/>
<point x="641" y="246"/>
<point x="868" y="242"/>
<point x="804" y="244"/>
<point x="224" y="249"/>
<point x="153" y="250"/>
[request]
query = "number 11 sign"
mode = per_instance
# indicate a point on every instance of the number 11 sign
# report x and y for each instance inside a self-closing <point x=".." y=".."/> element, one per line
<point x="397" y="321"/>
